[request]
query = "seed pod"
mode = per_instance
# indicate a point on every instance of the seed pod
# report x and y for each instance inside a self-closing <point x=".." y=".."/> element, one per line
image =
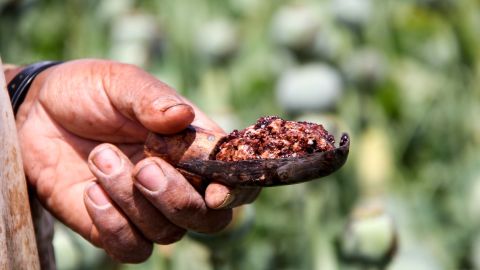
<point x="133" y="38"/>
<point x="366" y="68"/>
<point x="314" y="87"/>
<point x="354" y="13"/>
<point x="370" y="238"/>
<point x="331" y="44"/>
<point x="417" y="257"/>
<point x="295" y="26"/>
<point x="217" y="40"/>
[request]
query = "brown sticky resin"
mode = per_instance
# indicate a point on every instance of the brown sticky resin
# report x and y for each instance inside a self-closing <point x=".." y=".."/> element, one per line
<point x="283" y="153"/>
<point x="272" y="137"/>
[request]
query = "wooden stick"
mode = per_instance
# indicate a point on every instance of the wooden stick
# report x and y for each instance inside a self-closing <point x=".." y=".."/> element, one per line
<point x="18" y="249"/>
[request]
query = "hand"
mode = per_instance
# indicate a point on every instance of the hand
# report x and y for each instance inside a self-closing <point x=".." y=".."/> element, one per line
<point x="81" y="131"/>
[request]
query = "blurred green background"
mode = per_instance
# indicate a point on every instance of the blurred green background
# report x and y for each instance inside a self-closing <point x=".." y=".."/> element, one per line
<point x="402" y="77"/>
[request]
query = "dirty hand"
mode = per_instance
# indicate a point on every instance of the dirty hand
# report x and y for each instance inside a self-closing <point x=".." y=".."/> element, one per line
<point x="82" y="129"/>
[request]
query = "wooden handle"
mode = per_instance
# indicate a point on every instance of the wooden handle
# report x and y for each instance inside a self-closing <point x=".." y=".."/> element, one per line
<point x="18" y="249"/>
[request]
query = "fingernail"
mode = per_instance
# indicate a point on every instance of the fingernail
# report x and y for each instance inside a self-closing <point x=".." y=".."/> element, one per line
<point x="178" y="108"/>
<point x="227" y="201"/>
<point x="97" y="196"/>
<point x="165" y="103"/>
<point x="148" y="176"/>
<point x="107" y="161"/>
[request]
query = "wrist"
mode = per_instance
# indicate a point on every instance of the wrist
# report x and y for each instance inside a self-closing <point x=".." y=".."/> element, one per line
<point x="10" y="71"/>
<point x="19" y="86"/>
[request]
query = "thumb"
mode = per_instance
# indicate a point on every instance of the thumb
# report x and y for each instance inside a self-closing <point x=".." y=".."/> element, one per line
<point x="140" y="96"/>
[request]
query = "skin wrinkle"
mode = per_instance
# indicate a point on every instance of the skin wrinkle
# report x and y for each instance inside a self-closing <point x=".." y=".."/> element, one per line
<point x="121" y="125"/>
<point x="80" y="226"/>
<point x="124" y="195"/>
<point x="191" y="203"/>
<point x="169" y="97"/>
<point x="45" y="99"/>
<point x="197" y="209"/>
<point x="65" y="136"/>
<point x="169" y="238"/>
<point x="52" y="153"/>
<point x="44" y="190"/>
<point x="112" y="228"/>
<point x="22" y="146"/>
<point x="115" y="228"/>
<point x="111" y="73"/>
<point x="106" y="84"/>
<point x="135" y="105"/>
<point x="129" y="232"/>
<point x="132" y="203"/>
<point x="106" y="79"/>
<point x="123" y="120"/>
<point x="53" y="171"/>
<point x="50" y="193"/>
<point x="100" y="90"/>
<point x="93" y="235"/>
<point x="167" y="205"/>
<point x="58" y="189"/>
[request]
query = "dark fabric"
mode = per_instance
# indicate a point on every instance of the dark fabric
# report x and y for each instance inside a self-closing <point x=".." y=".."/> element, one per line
<point x="19" y="86"/>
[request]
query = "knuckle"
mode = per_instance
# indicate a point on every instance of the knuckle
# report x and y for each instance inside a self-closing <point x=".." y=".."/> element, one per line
<point x="121" y="244"/>
<point x="117" y="68"/>
<point x="220" y="222"/>
<point x="248" y="195"/>
<point x="184" y="204"/>
<point x="117" y="230"/>
<point x="213" y="222"/>
<point x="131" y="255"/>
<point x="192" y="204"/>
<point x="170" y="237"/>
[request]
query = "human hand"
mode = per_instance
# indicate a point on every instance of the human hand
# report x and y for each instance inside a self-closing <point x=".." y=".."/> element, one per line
<point x="81" y="129"/>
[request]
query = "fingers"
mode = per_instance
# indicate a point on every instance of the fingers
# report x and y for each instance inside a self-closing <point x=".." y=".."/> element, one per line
<point x="159" y="205"/>
<point x="116" y="235"/>
<point x="114" y="172"/>
<point x="218" y="196"/>
<point x="141" y="96"/>
<point x="171" y="193"/>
